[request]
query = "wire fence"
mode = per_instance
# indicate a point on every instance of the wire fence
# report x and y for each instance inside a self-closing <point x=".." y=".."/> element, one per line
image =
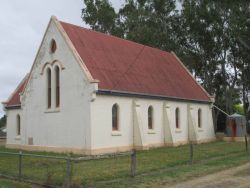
<point x="73" y="171"/>
<point x="52" y="170"/>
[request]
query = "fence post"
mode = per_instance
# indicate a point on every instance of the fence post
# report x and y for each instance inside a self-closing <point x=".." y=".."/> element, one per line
<point x="20" y="165"/>
<point x="133" y="163"/>
<point x="246" y="143"/>
<point x="68" y="166"/>
<point x="191" y="152"/>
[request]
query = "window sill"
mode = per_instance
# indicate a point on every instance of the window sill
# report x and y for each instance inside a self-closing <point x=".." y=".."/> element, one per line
<point x="18" y="137"/>
<point x="116" y="133"/>
<point x="151" y="132"/>
<point x="200" y="130"/>
<point x="178" y="130"/>
<point x="52" y="110"/>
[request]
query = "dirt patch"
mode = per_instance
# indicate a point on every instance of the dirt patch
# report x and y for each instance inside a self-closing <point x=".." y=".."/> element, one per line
<point x="235" y="177"/>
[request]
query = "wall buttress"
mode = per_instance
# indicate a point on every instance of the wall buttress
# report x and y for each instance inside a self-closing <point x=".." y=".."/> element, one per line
<point x="138" y="133"/>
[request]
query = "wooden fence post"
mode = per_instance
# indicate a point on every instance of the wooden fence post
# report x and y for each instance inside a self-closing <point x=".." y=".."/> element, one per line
<point x="20" y="165"/>
<point x="191" y="152"/>
<point x="133" y="163"/>
<point x="246" y="143"/>
<point x="68" y="171"/>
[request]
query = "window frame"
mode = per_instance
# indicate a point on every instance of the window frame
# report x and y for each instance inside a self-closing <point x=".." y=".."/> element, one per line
<point x="177" y="118"/>
<point x="199" y="118"/>
<point x="49" y="88"/>
<point x="18" y="125"/>
<point x="57" y="86"/>
<point x="150" y="118"/>
<point x="53" y="46"/>
<point x="115" y="117"/>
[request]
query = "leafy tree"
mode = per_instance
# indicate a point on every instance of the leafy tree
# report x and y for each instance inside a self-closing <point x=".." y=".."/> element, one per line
<point x="3" y="121"/>
<point x="150" y="22"/>
<point x="143" y="21"/>
<point x="101" y="16"/>
<point x="211" y="29"/>
<point x="238" y="108"/>
<point x="211" y="37"/>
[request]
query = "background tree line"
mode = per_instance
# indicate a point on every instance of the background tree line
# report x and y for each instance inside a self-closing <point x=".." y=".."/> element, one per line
<point x="211" y="37"/>
<point x="3" y="122"/>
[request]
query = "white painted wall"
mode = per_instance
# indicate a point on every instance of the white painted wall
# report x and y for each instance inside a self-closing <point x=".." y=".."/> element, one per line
<point x="101" y="122"/>
<point x="12" y="136"/>
<point x="67" y="126"/>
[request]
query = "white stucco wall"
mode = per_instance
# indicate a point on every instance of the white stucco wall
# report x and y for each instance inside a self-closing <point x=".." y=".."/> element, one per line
<point x="67" y="126"/>
<point x="11" y="125"/>
<point x="104" y="137"/>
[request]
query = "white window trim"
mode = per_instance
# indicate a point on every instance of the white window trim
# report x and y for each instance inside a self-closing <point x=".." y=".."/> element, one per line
<point x="151" y="131"/>
<point x="178" y="130"/>
<point x="18" y="137"/>
<point x="116" y="133"/>
<point x="52" y="110"/>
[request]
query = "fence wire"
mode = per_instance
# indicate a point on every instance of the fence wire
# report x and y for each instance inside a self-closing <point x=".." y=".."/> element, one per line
<point x="62" y="170"/>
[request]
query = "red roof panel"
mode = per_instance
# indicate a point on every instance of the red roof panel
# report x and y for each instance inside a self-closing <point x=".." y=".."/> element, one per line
<point x="14" y="100"/>
<point x="126" y="66"/>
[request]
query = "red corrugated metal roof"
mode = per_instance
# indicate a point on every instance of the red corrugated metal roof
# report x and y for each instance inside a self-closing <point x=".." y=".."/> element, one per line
<point x="14" y="100"/>
<point x="122" y="65"/>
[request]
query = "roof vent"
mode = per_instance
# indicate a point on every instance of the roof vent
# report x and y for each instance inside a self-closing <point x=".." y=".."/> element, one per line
<point x="52" y="46"/>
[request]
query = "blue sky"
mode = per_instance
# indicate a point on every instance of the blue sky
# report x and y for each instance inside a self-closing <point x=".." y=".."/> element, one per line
<point x="22" y="26"/>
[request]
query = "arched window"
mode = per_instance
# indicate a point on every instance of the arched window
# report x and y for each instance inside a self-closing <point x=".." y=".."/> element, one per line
<point x="18" y="126"/>
<point x="177" y="118"/>
<point x="57" y="85"/>
<point x="115" y="116"/>
<point x="49" y="88"/>
<point x="53" y="46"/>
<point x="150" y="117"/>
<point x="199" y="118"/>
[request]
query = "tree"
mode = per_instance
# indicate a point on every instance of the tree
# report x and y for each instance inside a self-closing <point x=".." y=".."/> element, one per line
<point x="211" y="37"/>
<point x="150" y="22"/>
<point x="101" y="16"/>
<point x="144" y="21"/>
<point x="3" y="121"/>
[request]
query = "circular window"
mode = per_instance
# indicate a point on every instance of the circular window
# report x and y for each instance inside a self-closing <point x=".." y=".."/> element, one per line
<point x="53" y="46"/>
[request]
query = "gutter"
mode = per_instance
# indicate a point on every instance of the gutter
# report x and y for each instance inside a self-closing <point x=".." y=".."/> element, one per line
<point x="10" y="107"/>
<point x="147" y="96"/>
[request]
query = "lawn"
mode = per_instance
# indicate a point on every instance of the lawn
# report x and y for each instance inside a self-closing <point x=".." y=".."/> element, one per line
<point x="162" y="166"/>
<point x="5" y="183"/>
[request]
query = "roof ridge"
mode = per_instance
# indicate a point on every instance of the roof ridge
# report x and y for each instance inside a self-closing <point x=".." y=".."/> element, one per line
<point x="113" y="36"/>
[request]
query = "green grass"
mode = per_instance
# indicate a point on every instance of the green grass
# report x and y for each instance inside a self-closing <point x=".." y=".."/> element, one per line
<point x="162" y="166"/>
<point x="5" y="183"/>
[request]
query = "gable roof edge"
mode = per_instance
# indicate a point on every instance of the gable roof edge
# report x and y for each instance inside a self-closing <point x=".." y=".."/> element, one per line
<point x="74" y="51"/>
<point x="60" y="28"/>
<point x="182" y="64"/>
<point x="28" y="79"/>
<point x="17" y="88"/>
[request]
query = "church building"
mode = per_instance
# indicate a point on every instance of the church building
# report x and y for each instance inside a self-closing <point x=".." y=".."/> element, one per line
<point x="92" y="93"/>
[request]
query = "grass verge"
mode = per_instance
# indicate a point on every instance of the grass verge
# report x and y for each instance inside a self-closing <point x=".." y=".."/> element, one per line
<point x="161" y="167"/>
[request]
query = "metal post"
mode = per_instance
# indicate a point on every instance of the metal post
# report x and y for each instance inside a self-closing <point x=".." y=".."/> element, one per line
<point x="191" y="152"/>
<point x="246" y="143"/>
<point x="68" y="165"/>
<point x="133" y="163"/>
<point x="20" y="165"/>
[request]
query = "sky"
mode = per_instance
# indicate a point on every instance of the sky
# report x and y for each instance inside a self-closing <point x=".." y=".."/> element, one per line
<point x="22" y="26"/>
